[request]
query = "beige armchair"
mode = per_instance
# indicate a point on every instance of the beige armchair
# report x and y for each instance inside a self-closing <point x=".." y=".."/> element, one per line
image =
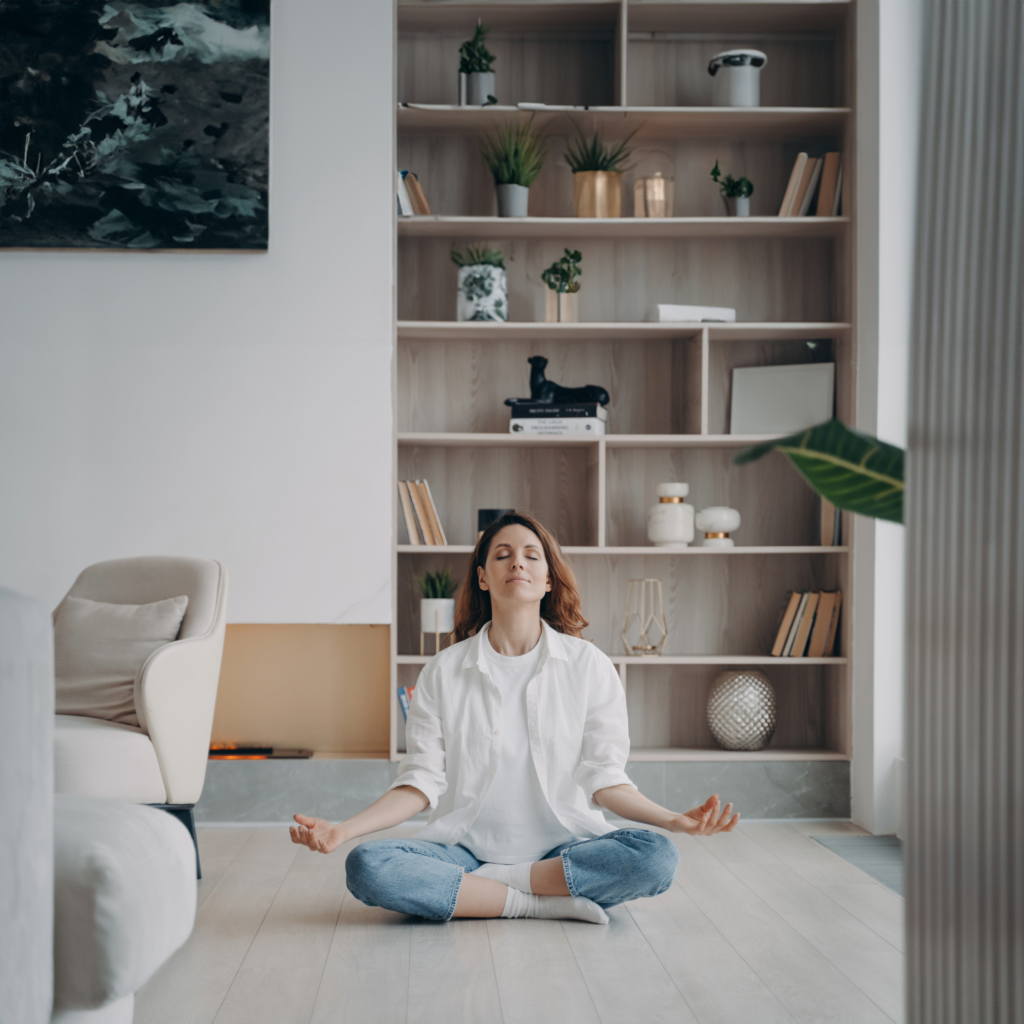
<point x="161" y="761"/>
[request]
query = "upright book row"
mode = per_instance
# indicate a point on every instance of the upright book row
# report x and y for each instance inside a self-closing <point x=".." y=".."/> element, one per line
<point x="420" y="514"/>
<point x="809" y="624"/>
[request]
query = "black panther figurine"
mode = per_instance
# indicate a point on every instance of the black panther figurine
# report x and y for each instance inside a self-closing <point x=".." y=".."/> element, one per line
<point x="548" y="392"/>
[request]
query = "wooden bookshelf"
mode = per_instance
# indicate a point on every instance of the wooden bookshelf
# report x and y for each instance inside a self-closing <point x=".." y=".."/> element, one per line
<point x="638" y="67"/>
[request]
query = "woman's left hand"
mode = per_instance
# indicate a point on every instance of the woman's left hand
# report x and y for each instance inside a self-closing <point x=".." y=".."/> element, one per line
<point x="706" y="820"/>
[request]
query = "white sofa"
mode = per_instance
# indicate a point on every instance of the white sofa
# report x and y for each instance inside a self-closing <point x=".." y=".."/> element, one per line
<point x="95" y="894"/>
<point x="163" y="760"/>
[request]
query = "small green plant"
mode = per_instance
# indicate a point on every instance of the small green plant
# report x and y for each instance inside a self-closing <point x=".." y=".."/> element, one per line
<point x="514" y="154"/>
<point x="437" y="584"/>
<point x="732" y="188"/>
<point x="477" y="257"/>
<point x="561" y="275"/>
<point x="594" y="155"/>
<point x="473" y="53"/>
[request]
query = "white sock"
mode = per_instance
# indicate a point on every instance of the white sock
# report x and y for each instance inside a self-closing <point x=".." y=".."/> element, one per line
<point x="575" y="908"/>
<point x="515" y="875"/>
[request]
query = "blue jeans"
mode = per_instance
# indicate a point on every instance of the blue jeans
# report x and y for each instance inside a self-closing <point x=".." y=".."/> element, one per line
<point x="410" y="876"/>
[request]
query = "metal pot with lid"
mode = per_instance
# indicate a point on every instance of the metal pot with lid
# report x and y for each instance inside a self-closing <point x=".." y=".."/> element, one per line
<point x="737" y="75"/>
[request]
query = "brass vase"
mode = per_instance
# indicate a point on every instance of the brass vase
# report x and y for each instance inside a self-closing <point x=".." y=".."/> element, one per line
<point x="597" y="193"/>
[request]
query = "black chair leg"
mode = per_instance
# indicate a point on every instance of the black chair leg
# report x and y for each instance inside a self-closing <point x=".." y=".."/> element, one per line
<point x="183" y="812"/>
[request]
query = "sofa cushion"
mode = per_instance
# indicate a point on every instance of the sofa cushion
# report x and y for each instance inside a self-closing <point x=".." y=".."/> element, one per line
<point x="96" y="758"/>
<point x="99" y="649"/>
<point x="124" y="897"/>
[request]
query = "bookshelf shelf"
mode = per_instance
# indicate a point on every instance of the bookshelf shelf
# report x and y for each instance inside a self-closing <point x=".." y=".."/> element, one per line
<point x="647" y="552"/>
<point x="650" y="123"/>
<point x="449" y="330"/>
<point x="456" y="440"/>
<point x="728" y="660"/>
<point x="698" y="754"/>
<point x="619" y="67"/>
<point x="621" y="227"/>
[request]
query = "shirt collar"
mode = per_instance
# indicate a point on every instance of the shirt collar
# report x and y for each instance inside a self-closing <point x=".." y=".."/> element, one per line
<point x="554" y="647"/>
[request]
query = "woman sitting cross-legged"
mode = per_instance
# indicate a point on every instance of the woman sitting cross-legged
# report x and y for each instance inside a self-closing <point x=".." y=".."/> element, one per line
<point x="517" y="736"/>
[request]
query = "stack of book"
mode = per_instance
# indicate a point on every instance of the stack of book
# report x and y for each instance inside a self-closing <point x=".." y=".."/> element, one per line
<point x="809" y="624"/>
<point x="405" y="699"/>
<point x="810" y="175"/>
<point x="558" y="420"/>
<point x="420" y="513"/>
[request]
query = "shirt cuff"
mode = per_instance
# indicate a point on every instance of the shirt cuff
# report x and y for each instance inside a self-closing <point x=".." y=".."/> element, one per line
<point x="602" y="780"/>
<point x="420" y="780"/>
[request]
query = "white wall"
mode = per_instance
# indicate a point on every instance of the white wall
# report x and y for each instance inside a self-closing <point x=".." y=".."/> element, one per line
<point x="236" y="407"/>
<point x="888" y="102"/>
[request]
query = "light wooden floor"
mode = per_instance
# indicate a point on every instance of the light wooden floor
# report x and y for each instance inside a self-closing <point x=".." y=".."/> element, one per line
<point x="762" y="926"/>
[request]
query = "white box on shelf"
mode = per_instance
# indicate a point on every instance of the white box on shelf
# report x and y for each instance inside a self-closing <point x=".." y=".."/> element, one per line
<point x="695" y="314"/>
<point x="781" y="399"/>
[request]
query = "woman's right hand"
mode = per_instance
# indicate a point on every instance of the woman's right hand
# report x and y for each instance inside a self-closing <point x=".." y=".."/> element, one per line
<point x="319" y="835"/>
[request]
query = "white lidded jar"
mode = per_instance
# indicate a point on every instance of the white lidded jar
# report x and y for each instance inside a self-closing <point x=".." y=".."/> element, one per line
<point x="737" y="78"/>
<point x="670" y="521"/>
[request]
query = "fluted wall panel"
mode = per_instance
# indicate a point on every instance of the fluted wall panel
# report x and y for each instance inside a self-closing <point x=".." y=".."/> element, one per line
<point x="965" y="584"/>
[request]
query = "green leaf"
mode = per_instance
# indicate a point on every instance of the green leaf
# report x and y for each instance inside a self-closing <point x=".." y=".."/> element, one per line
<point x="854" y="471"/>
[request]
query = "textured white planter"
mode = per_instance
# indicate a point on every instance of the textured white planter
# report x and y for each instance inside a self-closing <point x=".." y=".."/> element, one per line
<point x="482" y="293"/>
<point x="513" y="200"/>
<point x="437" y="614"/>
<point x="479" y="85"/>
<point x="739" y="206"/>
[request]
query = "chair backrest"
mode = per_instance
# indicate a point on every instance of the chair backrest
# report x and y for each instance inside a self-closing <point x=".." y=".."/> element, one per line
<point x="151" y="578"/>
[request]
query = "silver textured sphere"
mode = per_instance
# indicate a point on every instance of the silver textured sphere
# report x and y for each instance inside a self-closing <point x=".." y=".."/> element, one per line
<point x="742" y="710"/>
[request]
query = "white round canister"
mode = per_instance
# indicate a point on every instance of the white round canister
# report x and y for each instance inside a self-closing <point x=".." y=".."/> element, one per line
<point x="670" y="521"/>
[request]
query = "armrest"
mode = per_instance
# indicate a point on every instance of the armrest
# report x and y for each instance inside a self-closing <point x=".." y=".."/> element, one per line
<point x="175" y="696"/>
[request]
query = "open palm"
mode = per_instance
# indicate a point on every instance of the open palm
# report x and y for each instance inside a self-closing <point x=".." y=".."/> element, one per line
<point x="707" y="819"/>
<point x="319" y="835"/>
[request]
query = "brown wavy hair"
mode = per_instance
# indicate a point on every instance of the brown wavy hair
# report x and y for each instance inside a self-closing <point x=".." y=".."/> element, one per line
<point x="559" y="608"/>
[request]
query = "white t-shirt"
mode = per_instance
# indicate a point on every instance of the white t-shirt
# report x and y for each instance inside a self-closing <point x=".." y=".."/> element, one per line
<point x="515" y="823"/>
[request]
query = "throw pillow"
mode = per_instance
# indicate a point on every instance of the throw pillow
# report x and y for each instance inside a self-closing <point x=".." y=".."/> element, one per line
<point x="99" y="649"/>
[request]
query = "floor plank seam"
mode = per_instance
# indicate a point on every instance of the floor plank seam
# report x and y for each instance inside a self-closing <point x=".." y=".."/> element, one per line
<point x="494" y="971"/>
<point x="327" y="958"/>
<point x="811" y="942"/>
<point x="664" y="966"/>
<point x="832" y="900"/>
<point x="213" y="888"/>
<point x="263" y="919"/>
<point x="583" y="977"/>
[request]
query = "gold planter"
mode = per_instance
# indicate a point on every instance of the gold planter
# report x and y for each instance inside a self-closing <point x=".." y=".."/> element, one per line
<point x="562" y="307"/>
<point x="597" y="193"/>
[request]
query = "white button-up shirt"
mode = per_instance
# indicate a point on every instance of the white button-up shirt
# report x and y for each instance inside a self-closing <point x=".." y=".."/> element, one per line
<point x="579" y="734"/>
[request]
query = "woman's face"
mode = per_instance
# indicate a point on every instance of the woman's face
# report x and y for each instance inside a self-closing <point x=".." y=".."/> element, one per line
<point x="516" y="571"/>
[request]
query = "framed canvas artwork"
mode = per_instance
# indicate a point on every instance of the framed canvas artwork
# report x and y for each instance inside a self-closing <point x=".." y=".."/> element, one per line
<point x="134" y="124"/>
<point x="781" y="399"/>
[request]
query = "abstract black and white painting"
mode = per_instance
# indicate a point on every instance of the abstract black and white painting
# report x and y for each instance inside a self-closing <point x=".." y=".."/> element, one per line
<point x="134" y="124"/>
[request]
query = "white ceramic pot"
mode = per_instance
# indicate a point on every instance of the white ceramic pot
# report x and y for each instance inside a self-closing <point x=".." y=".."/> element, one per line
<point x="513" y="200"/>
<point x="479" y="85"/>
<point x="738" y="206"/>
<point x="437" y="615"/>
<point x="737" y="78"/>
<point x="482" y="293"/>
<point x="716" y="523"/>
<point x="670" y="521"/>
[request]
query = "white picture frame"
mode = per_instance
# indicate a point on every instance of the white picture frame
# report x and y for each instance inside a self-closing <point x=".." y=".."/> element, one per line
<point x="781" y="399"/>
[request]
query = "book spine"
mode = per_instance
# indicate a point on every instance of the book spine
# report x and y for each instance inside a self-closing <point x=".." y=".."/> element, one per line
<point x="524" y="411"/>
<point x="795" y="627"/>
<point x="837" y="201"/>
<point x="421" y="513"/>
<point x="410" y="518"/>
<point x="557" y="428"/>
<point x="805" y="205"/>
<point x="403" y="700"/>
<point x="794" y="182"/>
<point x="404" y="202"/>
<point x="435" y="522"/>
<point x="786" y="623"/>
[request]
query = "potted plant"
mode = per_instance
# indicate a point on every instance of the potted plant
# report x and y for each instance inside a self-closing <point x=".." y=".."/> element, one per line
<point x="483" y="285"/>
<point x="736" y="192"/>
<point x="563" y="288"/>
<point x="476" y="79"/>
<point x="515" y="155"/>
<point x="597" y="175"/>
<point x="437" y="605"/>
